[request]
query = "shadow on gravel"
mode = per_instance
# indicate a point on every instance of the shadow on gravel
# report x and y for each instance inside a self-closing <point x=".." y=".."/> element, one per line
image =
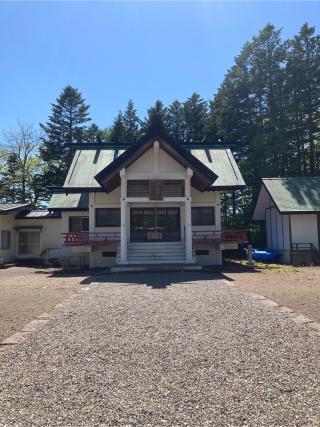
<point x="155" y="280"/>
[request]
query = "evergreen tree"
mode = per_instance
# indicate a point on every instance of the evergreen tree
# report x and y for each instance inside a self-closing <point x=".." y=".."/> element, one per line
<point x="303" y="86"/>
<point x="158" y="110"/>
<point x="211" y="127"/>
<point x="117" y="131"/>
<point x="268" y="62"/>
<point x="196" y="115"/>
<point x="94" y="134"/>
<point x="268" y="106"/>
<point x="175" y="121"/>
<point x="130" y="123"/>
<point x="67" y="124"/>
<point x="9" y="187"/>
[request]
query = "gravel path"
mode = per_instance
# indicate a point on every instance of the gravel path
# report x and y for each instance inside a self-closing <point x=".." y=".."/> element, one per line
<point x="163" y="349"/>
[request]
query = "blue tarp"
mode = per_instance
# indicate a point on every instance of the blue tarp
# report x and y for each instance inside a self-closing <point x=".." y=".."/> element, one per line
<point x="266" y="255"/>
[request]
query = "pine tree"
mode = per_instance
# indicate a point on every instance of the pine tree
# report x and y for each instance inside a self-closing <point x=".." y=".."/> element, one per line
<point x="117" y="131"/>
<point x="9" y="179"/>
<point x="175" y="121"/>
<point x="130" y="123"/>
<point x="67" y="124"/>
<point x="268" y="62"/>
<point x="195" y="114"/>
<point x="303" y="85"/>
<point x="94" y="134"/>
<point x="158" y="110"/>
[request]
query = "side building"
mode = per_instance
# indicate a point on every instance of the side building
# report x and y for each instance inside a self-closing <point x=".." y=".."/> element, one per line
<point x="290" y="208"/>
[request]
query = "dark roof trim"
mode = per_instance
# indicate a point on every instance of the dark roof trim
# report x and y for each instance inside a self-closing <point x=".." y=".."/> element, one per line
<point x="54" y="189"/>
<point x="28" y="227"/>
<point x="226" y="187"/>
<point x="299" y="212"/>
<point x="72" y="190"/>
<point x="125" y="146"/>
<point x="69" y="209"/>
<point x="14" y="208"/>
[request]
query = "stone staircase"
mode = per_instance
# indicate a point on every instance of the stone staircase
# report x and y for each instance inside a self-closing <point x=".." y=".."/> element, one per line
<point x="141" y="253"/>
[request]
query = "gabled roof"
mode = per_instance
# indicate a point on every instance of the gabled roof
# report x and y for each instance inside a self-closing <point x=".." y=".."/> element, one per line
<point x="95" y="165"/>
<point x="73" y="201"/>
<point x="202" y="177"/>
<point x="6" y="208"/>
<point x="290" y="195"/>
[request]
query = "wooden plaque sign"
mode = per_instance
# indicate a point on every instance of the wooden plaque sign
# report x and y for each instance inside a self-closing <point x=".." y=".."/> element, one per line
<point x="155" y="190"/>
<point x="154" y="235"/>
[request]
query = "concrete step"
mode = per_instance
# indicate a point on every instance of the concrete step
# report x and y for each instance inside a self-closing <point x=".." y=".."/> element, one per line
<point x="167" y="254"/>
<point x="158" y="247"/>
<point x="155" y="268"/>
<point x="154" y="253"/>
<point x="154" y="261"/>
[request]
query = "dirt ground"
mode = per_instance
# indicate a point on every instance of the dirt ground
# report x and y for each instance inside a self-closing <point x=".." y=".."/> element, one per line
<point x="294" y="287"/>
<point x="27" y="292"/>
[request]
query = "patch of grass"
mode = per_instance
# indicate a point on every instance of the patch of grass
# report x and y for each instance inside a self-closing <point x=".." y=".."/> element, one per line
<point x="278" y="268"/>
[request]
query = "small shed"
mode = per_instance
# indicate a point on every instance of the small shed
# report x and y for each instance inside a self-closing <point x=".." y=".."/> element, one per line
<point x="290" y="208"/>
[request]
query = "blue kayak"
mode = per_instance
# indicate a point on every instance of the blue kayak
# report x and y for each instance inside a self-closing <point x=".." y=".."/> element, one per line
<point x="266" y="255"/>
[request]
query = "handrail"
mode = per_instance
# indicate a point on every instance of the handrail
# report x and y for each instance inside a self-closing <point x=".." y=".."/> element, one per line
<point x="220" y="235"/>
<point x="86" y="238"/>
<point x="301" y="246"/>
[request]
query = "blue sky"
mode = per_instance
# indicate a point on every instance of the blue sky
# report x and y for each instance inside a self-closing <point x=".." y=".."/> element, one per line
<point x="115" y="51"/>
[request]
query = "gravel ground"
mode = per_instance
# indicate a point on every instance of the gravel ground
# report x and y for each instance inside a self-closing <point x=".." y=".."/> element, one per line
<point x="163" y="349"/>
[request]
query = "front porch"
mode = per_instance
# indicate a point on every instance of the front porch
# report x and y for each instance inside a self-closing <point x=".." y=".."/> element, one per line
<point x="112" y="238"/>
<point x="157" y="252"/>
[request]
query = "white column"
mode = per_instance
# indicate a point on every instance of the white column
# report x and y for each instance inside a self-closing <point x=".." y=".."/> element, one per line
<point x="188" y="225"/>
<point x="217" y="212"/>
<point x="91" y="227"/>
<point x="123" y="228"/>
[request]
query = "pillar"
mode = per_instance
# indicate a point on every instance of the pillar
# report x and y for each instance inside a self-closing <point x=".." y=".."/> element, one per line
<point x="188" y="223"/>
<point x="123" y="219"/>
<point x="92" y="228"/>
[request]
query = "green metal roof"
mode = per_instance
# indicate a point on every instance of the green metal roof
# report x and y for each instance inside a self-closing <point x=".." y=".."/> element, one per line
<point x="294" y="195"/>
<point x="222" y="163"/>
<point x="72" y="201"/>
<point x="87" y="164"/>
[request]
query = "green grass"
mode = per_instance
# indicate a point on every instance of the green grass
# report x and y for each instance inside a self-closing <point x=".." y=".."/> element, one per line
<point x="268" y="266"/>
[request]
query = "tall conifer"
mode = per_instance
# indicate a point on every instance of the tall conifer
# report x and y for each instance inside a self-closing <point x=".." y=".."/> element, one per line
<point x="66" y="125"/>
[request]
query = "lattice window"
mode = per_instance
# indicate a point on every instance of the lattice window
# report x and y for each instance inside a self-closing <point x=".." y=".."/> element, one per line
<point x="109" y="217"/>
<point x="78" y="224"/>
<point x="203" y="216"/>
